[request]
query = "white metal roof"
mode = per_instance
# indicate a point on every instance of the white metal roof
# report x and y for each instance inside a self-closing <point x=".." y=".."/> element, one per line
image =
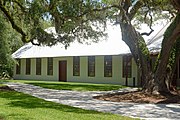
<point x="154" y="44"/>
<point x="112" y="46"/>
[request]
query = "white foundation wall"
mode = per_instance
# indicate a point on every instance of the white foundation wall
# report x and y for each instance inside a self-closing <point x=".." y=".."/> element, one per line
<point x="116" y="78"/>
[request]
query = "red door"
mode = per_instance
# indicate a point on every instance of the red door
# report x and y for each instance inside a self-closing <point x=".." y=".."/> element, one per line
<point x="63" y="71"/>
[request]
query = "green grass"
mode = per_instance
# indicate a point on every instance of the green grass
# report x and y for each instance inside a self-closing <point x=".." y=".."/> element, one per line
<point x="1" y="86"/>
<point x="19" y="106"/>
<point x="73" y="86"/>
<point x="1" y="81"/>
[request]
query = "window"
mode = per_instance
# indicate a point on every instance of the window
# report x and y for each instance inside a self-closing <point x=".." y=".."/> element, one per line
<point x="28" y="66"/>
<point x="127" y="66"/>
<point x="50" y="66"/>
<point x="38" y="66"/>
<point x="18" y="66"/>
<point x="91" y="66"/>
<point x="108" y="66"/>
<point x="76" y="66"/>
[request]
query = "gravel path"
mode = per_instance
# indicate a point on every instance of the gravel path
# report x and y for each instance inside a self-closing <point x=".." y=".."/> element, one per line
<point x="84" y="100"/>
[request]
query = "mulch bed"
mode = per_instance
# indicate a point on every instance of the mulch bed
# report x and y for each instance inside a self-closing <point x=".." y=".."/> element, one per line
<point x="141" y="97"/>
<point x="5" y="88"/>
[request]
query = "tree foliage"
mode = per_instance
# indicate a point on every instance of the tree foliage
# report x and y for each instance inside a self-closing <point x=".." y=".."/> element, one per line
<point x="4" y="47"/>
<point x="73" y="19"/>
<point x="9" y="43"/>
<point x="78" y="19"/>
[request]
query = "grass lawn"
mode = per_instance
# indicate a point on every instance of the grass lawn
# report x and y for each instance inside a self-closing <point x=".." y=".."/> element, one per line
<point x="1" y="85"/>
<point x="19" y="106"/>
<point x="73" y="86"/>
<point x="1" y="81"/>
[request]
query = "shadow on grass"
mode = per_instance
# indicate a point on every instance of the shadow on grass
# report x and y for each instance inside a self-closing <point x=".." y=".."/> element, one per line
<point x="79" y="87"/>
<point x="28" y="102"/>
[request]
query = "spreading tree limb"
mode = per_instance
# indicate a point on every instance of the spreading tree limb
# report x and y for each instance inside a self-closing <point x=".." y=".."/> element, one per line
<point x="134" y="9"/>
<point x="13" y="24"/>
<point x="150" y="26"/>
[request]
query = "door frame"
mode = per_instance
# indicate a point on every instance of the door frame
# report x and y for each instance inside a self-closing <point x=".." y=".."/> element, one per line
<point x="64" y="62"/>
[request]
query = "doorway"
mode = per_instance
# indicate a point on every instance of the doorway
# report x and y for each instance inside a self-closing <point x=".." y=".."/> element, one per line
<point x="63" y="71"/>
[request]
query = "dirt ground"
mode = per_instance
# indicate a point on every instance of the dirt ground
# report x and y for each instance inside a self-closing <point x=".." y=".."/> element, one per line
<point x="140" y="97"/>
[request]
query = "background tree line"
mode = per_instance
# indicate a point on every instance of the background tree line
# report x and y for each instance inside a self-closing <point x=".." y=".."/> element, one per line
<point x="10" y="41"/>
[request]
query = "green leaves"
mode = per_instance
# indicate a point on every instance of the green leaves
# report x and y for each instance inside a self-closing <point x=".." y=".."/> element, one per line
<point x="72" y="19"/>
<point x="9" y="42"/>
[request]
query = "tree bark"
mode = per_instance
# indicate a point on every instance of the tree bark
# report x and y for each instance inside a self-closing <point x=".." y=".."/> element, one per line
<point x="138" y="49"/>
<point x="173" y="74"/>
<point x="153" y="82"/>
<point x="13" y="24"/>
<point x="161" y="82"/>
<point x="171" y="35"/>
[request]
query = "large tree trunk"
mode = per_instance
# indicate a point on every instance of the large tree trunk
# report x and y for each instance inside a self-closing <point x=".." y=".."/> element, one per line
<point x="138" y="49"/>
<point x="153" y="82"/>
<point x="171" y="35"/>
<point x="172" y="76"/>
<point x="161" y="81"/>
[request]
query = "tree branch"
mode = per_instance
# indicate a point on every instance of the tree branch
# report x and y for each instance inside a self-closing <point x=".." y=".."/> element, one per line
<point x="147" y="34"/>
<point x="100" y="9"/>
<point x="127" y="4"/>
<point x="134" y="10"/>
<point x="13" y="24"/>
<point x="19" y="4"/>
<point x="176" y="4"/>
<point x="150" y="26"/>
<point x="32" y="41"/>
